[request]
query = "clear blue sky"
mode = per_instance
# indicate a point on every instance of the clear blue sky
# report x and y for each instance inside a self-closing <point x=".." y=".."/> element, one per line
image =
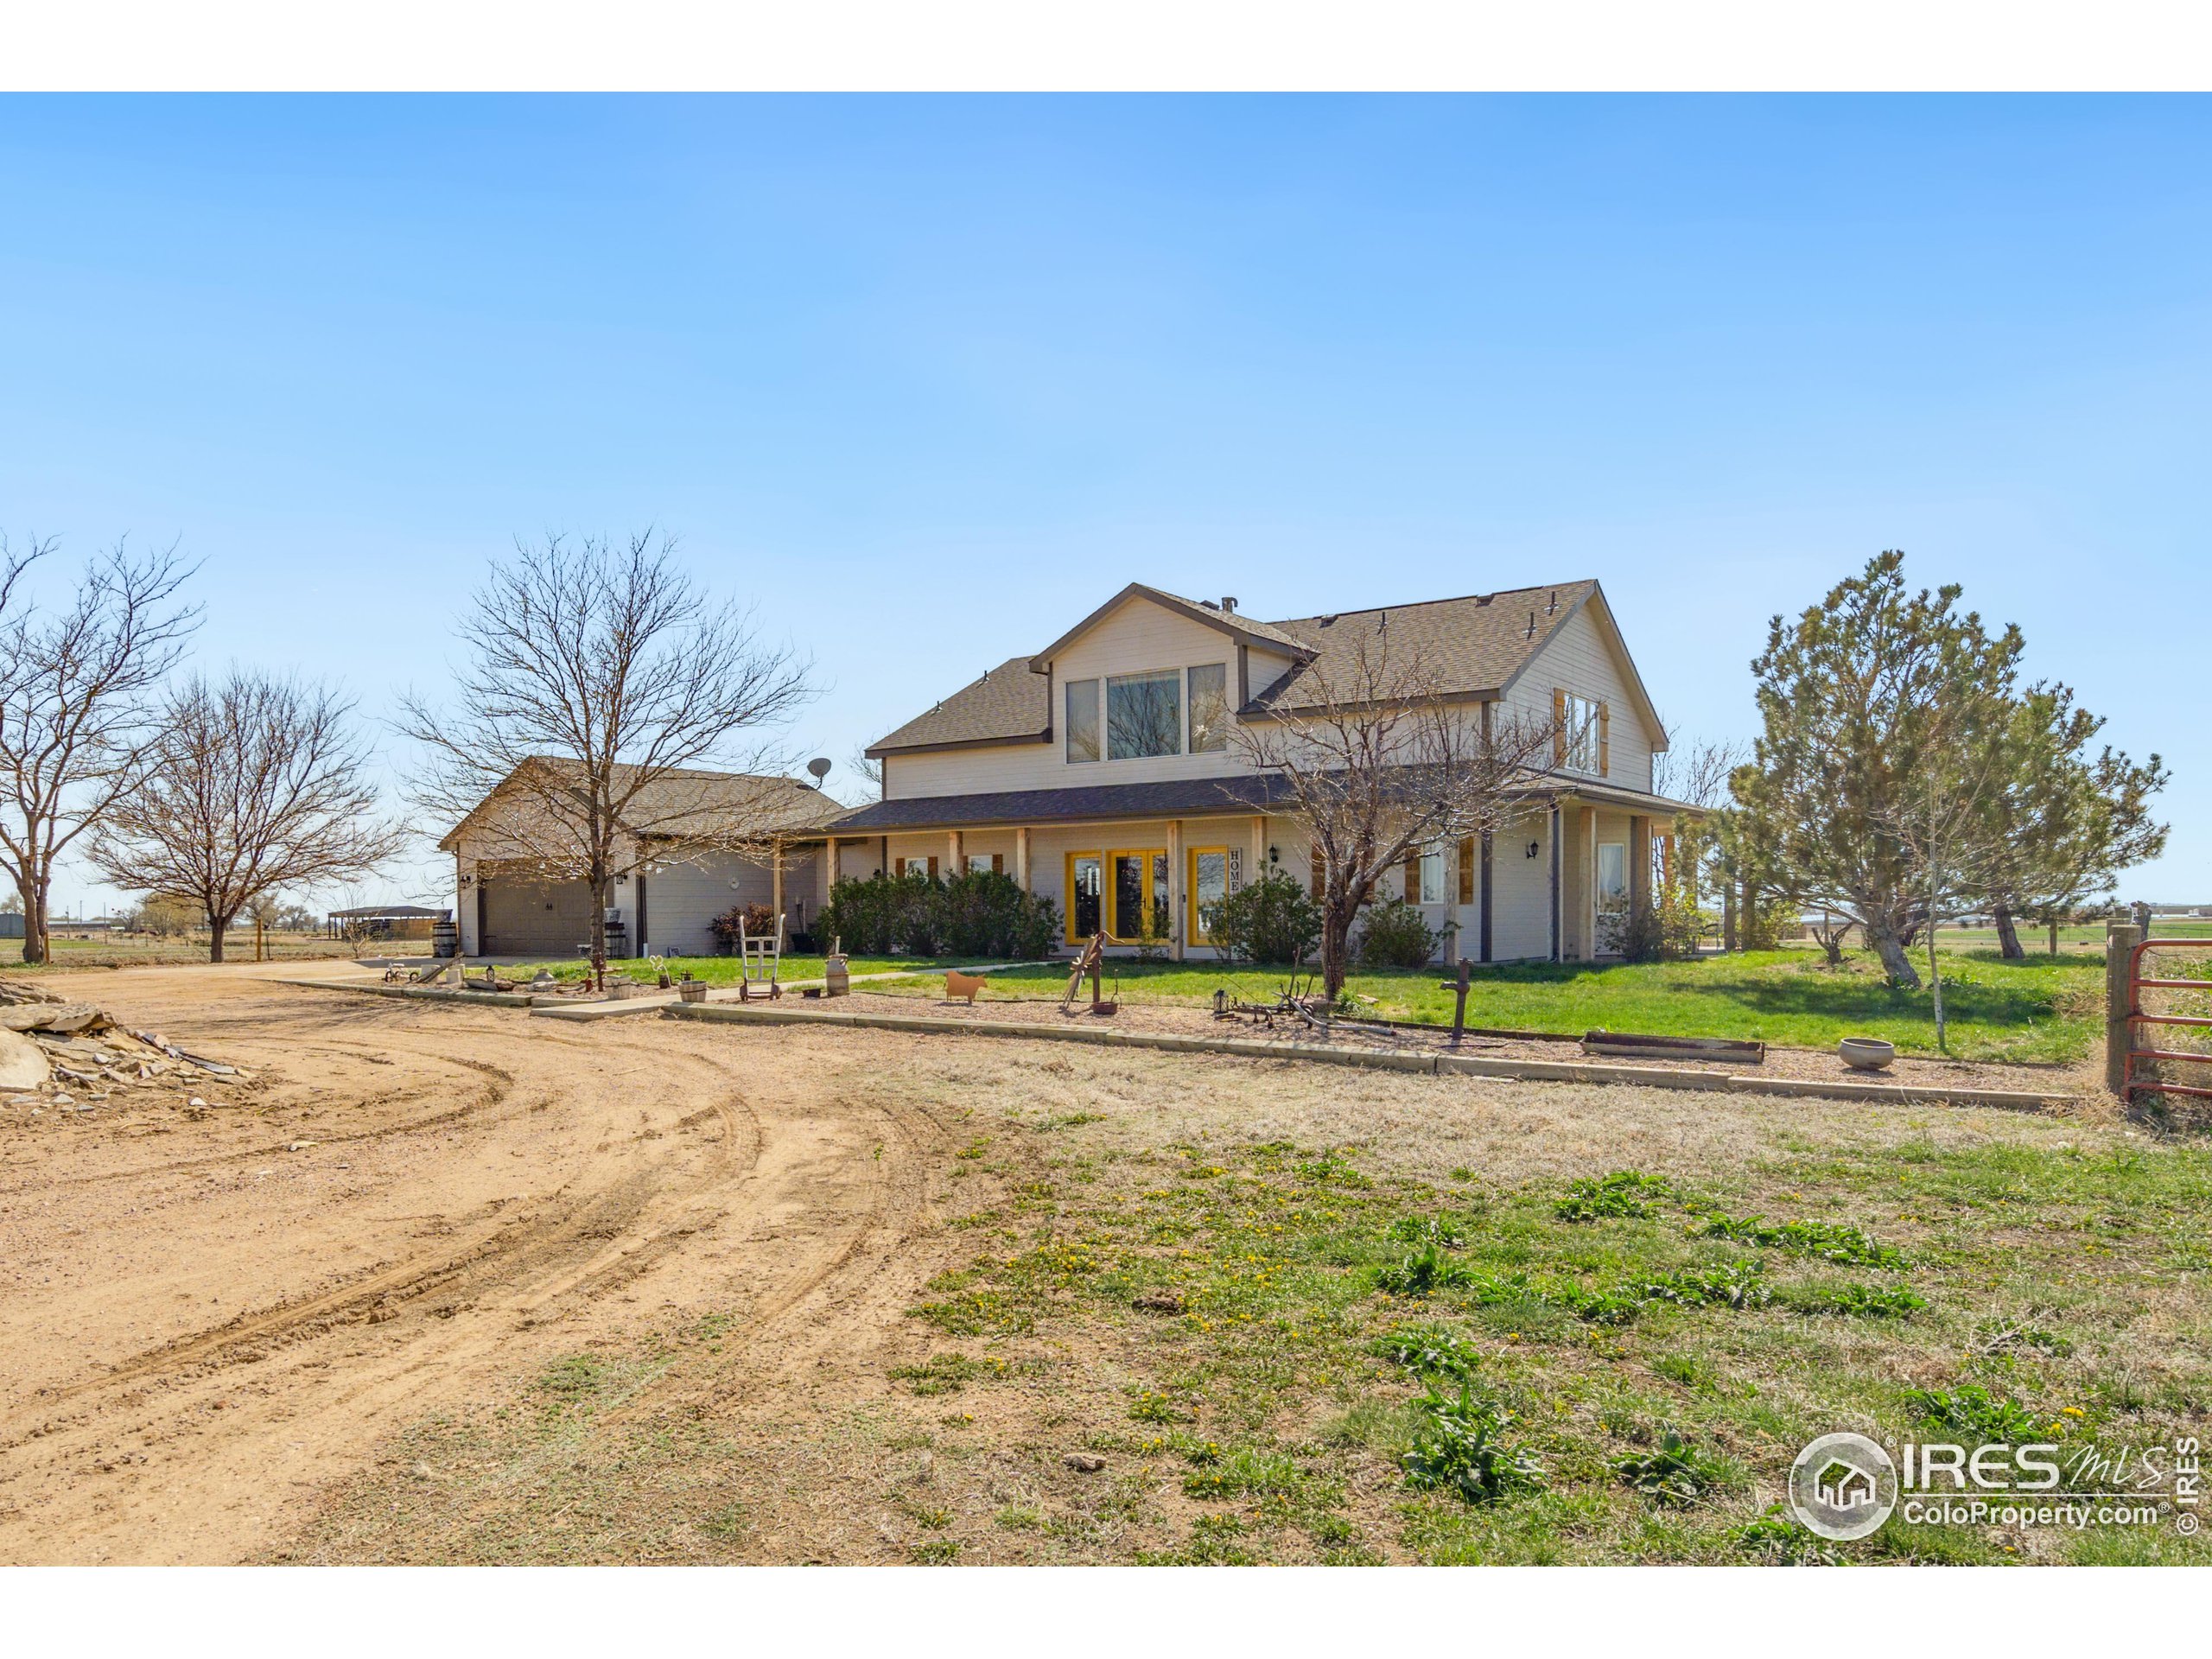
<point x="927" y="378"/>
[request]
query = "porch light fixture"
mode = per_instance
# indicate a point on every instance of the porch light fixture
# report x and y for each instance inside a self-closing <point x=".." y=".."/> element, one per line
<point x="1533" y="848"/>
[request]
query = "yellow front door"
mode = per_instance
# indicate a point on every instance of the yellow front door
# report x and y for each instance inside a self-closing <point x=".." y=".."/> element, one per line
<point x="1136" y="894"/>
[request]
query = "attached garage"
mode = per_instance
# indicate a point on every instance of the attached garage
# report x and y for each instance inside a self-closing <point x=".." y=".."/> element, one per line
<point x="524" y="916"/>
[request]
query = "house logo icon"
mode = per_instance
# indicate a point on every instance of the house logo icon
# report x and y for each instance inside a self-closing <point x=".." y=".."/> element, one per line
<point x="1843" y="1486"/>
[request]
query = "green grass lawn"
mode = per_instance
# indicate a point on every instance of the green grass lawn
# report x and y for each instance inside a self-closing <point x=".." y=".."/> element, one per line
<point x="2046" y="1008"/>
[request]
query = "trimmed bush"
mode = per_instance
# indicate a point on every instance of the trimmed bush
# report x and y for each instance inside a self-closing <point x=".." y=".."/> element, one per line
<point x="1270" y="921"/>
<point x="1396" y="937"/>
<point x="977" y="913"/>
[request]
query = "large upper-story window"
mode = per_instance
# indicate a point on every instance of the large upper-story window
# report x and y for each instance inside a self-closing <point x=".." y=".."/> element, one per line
<point x="1082" y="720"/>
<point x="1144" y="715"/>
<point x="1209" y="708"/>
<point x="1581" y="740"/>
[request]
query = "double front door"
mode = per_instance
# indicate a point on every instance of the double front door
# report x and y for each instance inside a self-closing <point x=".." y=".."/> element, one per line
<point x="1122" y="894"/>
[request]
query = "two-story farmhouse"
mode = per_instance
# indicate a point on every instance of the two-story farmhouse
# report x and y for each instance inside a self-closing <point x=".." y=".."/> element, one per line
<point x="1100" y="770"/>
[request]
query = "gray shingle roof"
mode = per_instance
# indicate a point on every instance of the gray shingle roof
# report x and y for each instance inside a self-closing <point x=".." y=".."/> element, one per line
<point x="1473" y="644"/>
<point x="1182" y="797"/>
<point x="693" y="801"/>
<point x="1010" y="701"/>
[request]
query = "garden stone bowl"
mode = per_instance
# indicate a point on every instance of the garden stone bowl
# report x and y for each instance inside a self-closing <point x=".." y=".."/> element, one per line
<point x="1866" y="1054"/>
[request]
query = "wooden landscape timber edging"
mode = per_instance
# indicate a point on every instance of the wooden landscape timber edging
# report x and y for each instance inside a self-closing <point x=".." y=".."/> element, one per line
<point x="1431" y="1064"/>
<point x="419" y="992"/>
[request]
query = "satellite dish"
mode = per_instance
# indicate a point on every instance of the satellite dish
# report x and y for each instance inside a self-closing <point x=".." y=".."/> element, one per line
<point x="820" y="767"/>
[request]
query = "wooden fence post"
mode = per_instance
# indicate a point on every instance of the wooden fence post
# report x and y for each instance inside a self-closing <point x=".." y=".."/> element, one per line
<point x="2120" y="940"/>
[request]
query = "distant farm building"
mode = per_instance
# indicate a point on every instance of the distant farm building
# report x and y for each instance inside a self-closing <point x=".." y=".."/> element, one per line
<point x="384" y="922"/>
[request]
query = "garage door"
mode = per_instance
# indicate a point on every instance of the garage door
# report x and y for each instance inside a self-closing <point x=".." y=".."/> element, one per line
<point x="535" y="918"/>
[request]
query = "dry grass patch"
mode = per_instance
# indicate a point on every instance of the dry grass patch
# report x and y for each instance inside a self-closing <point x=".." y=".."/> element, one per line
<point x="1305" y="1314"/>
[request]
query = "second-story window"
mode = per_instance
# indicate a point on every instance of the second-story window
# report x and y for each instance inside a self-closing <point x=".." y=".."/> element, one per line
<point x="1144" y="715"/>
<point x="1209" y="708"/>
<point x="1082" y="720"/>
<point x="1578" y="732"/>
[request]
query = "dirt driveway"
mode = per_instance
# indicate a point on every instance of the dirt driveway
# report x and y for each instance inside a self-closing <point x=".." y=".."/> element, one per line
<point x="207" y="1317"/>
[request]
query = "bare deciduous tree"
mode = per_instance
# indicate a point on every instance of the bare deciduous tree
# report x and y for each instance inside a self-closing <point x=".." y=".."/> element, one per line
<point x="600" y="677"/>
<point x="1378" y="764"/>
<point x="77" y="688"/>
<point x="251" y="787"/>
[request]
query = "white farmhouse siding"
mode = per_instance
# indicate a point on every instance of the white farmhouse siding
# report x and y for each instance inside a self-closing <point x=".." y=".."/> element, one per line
<point x="956" y="776"/>
<point x="1521" y="895"/>
<point x="1136" y="636"/>
<point x="1582" y="660"/>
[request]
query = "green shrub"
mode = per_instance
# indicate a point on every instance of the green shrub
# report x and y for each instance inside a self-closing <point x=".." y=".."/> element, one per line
<point x="1461" y="1447"/>
<point x="977" y="913"/>
<point x="1395" y="937"/>
<point x="1269" y="920"/>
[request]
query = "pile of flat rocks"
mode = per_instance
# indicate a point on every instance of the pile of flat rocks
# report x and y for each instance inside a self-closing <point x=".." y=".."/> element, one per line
<point x="74" y="1055"/>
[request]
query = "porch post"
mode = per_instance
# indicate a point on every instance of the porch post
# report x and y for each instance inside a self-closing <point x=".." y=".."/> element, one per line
<point x="1175" y="889"/>
<point x="1021" y="858"/>
<point x="1639" y="862"/>
<point x="775" y="879"/>
<point x="956" y="864"/>
<point x="1259" y="849"/>
<point x="829" y="866"/>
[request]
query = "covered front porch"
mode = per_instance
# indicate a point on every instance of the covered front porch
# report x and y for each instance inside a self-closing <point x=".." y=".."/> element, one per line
<point x="1556" y="885"/>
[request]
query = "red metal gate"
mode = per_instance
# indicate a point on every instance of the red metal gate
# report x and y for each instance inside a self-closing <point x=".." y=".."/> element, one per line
<point x="2137" y="984"/>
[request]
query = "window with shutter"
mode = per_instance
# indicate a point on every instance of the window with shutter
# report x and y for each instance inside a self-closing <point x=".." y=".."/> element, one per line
<point x="1466" y="869"/>
<point x="1605" y="739"/>
<point x="1559" y="726"/>
<point x="1410" y="876"/>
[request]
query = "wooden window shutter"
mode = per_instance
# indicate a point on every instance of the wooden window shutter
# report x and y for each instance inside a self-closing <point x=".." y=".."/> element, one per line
<point x="1466" y="869"/>
<point x="1320" y="876"/>
<point x="998" y="863"/>
<point x="1559" y="726"/>
<point x="933" y="867"/>
<point x="1412" y="876"/>
<point x="1605" y="739"/>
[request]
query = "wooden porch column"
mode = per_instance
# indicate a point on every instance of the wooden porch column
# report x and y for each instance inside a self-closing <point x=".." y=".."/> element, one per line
<point x="1259" y="867"/>
<point x="1574" y="895"/>
<point x="955" y="864"/>
<point x="1021" y="858"/>
<point x="1175" y="889"/>
<point x="1639" y="862"/>
<point x="775" y="879"/>
<point x="829" y="868"/>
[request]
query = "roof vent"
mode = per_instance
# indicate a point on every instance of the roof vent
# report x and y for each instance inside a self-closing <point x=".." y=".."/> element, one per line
<point x="1552" y="604"/>
<point x="1382" y="620"/>
<point x="987" y="675"/>
<point x="1229" y="603"/>
<point x="1330" y="620"/>
<point x="1208" y="605"/>
<point x="1532" y="625"/>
